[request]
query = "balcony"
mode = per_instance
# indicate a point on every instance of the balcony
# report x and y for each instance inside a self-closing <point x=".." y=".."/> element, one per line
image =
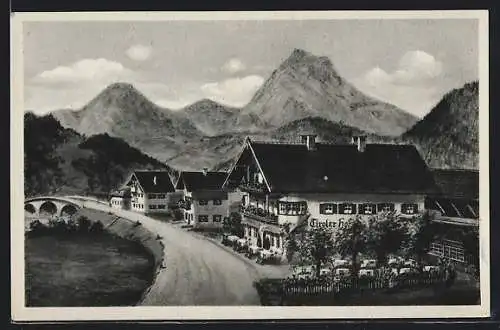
<point x="259" y="215"/>
<point x="253" y="187"/>
<point x="183" y="204"/>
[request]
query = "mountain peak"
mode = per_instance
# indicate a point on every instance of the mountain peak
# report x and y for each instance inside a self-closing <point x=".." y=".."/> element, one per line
<point x="120" y="86"/>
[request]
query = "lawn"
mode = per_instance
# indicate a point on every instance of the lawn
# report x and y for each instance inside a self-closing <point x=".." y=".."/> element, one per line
<point x="85" y="270"/>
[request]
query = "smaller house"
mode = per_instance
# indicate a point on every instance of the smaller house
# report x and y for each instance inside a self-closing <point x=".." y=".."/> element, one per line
<point x="205" y="204"/>
<point x="151" y="191"/>
<point x="120" y="199"/>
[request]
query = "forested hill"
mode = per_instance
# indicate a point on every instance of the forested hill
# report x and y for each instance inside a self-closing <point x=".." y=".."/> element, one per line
<point x="58" y="160"/>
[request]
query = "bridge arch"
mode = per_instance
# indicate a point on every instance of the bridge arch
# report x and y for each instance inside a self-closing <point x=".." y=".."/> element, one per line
<point x="29" y="208"/>
<point x="68" y="210"/>
<point x="47" y="208"/>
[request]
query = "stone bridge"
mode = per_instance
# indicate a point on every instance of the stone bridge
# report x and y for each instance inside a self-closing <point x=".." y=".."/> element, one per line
<point x="49" y="206"/>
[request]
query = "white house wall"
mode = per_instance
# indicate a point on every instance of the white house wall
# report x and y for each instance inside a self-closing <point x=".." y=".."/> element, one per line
<point x="314" y="200"/>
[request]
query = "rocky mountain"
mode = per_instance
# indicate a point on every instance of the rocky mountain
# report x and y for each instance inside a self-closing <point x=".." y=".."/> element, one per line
<point x="61" y="161"/>
<point x="448" y="136"/>
<point x="211" y="118"/>
<point x="305" y="85"/>
<point x="123" y="112"/>
<point x="304" y="94"/>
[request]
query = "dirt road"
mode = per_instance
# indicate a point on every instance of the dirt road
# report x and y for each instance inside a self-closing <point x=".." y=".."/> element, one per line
<point x="197" y="272"/>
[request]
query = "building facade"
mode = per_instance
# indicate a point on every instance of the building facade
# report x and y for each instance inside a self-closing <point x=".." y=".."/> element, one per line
<point x="456" y="205"/>
<point x="313" y="184"/>
<point x="121" y="199"/>
<point x="205" y="205"/>
<point x="151" y="192"/>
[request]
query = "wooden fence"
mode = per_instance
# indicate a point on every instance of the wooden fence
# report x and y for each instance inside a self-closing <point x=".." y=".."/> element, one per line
<point x="275" y="291"/>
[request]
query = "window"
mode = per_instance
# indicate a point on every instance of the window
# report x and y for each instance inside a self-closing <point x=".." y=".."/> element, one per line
<point x="152" y="207"/>
<point x="142" y="206"/>
<point x="161" y="206"/>
<point x="217" y="202"/>
<point x="186" y="216"/>
<point x="203" y="218"/>
<point x="161" y="196"/>
<point x="347" y="208"/>
<point x="217" y="218"/>
<point x="292" y="208"/>
<point x="328" y="208"/>
<point x="367" y="209"/>
<point x="151" y="196"/>
<point x="282" y="209"/>
<point x="385" y="207"/>
<point x="409" y="208"/>
<point x="203" y="202"/>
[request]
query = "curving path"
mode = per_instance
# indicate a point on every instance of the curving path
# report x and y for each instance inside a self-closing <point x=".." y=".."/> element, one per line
<point x="198" y="272"/>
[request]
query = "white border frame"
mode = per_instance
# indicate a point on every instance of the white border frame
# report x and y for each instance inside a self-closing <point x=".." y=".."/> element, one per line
<point x="21" y="313"/>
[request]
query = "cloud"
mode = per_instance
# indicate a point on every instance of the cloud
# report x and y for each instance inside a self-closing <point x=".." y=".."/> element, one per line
<point x="84" y="70"/>
<point x="416" y="84"/>
<point x="233" y="91"/>
<point x="139" y="52"/>
<point x="234" y="65"/>
<point x="414" y="67"/>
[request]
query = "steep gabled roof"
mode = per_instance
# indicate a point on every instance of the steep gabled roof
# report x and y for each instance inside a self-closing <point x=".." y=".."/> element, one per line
<point x="154" y="181"/>
<point x="194" y="181"/>
<point x="457" y="183"/>
<point x="380" y="168"/>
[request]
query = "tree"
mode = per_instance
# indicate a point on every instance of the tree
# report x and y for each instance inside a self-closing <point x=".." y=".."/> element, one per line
<point x="83" y="224"/>
<point x="421" y="232"/>
<point x="351" y="239"/>
<point x="232" y="224"/>
<point x="316" y="247"/>
<point x="386" y="235"/>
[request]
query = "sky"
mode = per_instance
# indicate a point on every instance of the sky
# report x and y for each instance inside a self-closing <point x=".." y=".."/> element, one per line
<point x="409" y="63"/>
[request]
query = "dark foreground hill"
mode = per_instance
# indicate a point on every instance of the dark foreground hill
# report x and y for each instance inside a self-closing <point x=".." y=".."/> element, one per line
<point x="448" y="136"/>
<point x="58" y="160"/>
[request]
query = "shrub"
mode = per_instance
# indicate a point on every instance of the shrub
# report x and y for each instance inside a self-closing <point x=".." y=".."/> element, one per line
<point x="83" y="224"/>
<point x="36" y="226"/>
<point x="58" y="225"/>
<point x="137" y="224"/>
<point x="96" y="227"/>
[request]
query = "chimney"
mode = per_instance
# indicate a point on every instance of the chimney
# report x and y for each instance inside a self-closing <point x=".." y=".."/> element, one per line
<point x="360" y="142"/>
<point x="309" y="140"/>
<point x="205" y="171"/>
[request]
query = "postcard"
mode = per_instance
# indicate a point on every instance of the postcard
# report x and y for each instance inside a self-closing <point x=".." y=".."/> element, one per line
<point x="249" y="165"/>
